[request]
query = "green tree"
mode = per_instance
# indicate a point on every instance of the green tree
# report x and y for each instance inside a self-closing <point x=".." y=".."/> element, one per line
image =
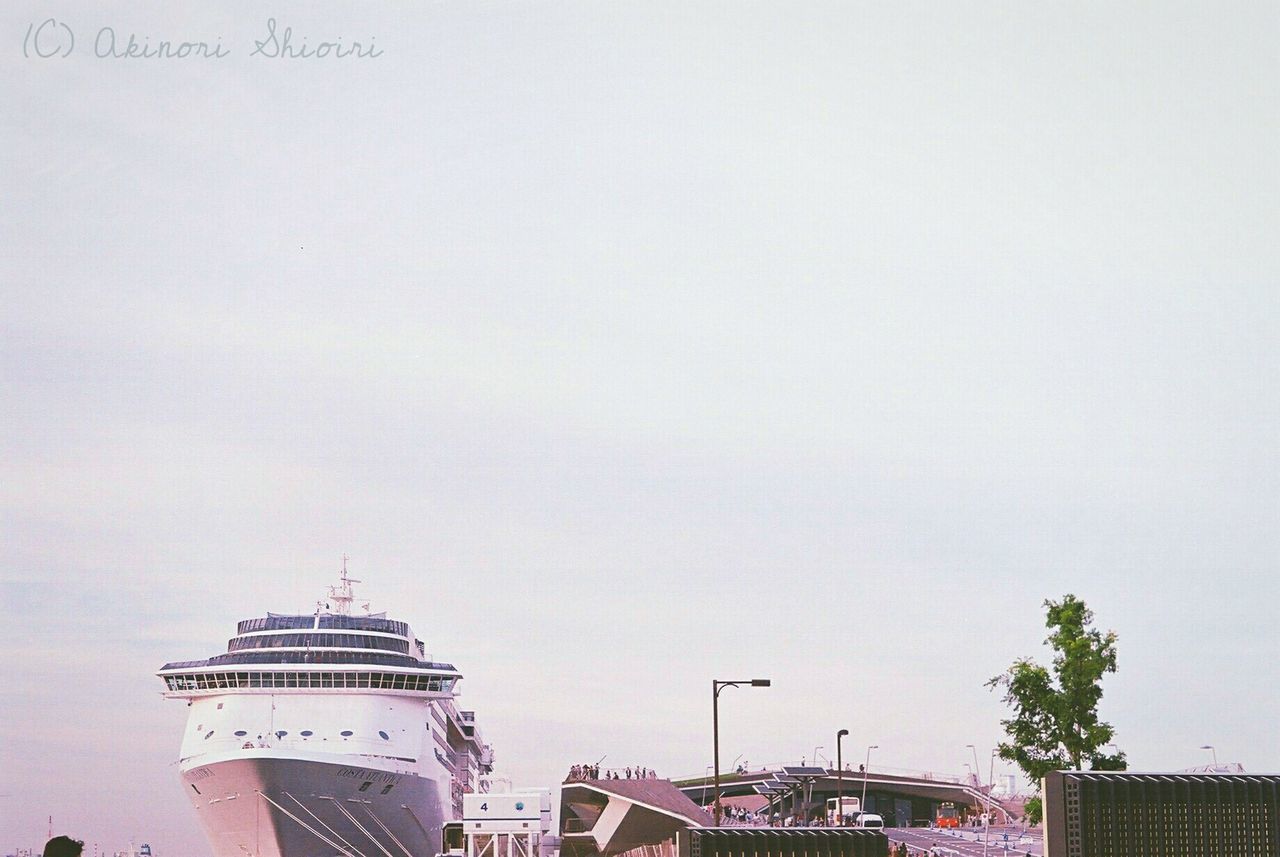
<point x="1055" y="723"/>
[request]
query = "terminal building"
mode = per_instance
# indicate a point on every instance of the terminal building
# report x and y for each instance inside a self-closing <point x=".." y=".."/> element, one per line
<point x="801" y="794"/>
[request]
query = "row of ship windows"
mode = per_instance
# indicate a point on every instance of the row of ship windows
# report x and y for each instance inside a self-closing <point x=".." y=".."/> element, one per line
<point x="371" y="680"/>
<point x="339" y="641"/>
<point x="364" y="787"/>
<point x="348" y="623"/>
<point x="310" y="656"/>
<point x="305" y="733"/>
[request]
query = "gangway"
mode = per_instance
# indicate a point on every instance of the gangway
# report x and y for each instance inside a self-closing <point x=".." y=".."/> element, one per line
<point x="502" y="824"/>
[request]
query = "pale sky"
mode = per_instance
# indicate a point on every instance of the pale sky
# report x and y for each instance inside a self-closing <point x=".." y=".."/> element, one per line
<point x="624" y="346"/>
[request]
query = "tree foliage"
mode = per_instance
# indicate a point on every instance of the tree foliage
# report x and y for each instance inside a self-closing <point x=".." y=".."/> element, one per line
<point x="1055" y="723"/>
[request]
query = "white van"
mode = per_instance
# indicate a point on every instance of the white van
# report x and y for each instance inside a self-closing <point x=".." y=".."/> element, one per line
<point x="869" y="820"/>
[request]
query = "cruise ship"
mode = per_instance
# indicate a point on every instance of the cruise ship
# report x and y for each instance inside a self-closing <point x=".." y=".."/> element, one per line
<point x="326" y="734"/>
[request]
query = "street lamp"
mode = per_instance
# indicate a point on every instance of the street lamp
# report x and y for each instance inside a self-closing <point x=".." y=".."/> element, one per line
<point x="716" y="687"/>
<point x="991" y="785"/>
<point x="1215" y="753"/>
<point x="840" y="780"/>
<point x="986" y="839"/>
<point x="862" y="804"/>
<point x="991" y="770"/>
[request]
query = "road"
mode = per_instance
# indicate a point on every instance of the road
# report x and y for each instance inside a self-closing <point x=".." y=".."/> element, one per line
<point x="963" y="844"/>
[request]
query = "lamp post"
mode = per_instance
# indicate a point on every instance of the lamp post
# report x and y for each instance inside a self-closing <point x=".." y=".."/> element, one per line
<point x="1215" y="753"/>
<point x="862" y="804"/>
<point x="840" y="780"/>
<point x="986" y="838"/>
<point x="991" y="784"/>
<point x="716" y="687"/>
<point x="991" y="780"/>
<point x="976" y="770"/>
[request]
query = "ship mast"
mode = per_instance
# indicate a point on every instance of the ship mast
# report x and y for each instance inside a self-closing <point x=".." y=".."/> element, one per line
<point x="341" y="595"/>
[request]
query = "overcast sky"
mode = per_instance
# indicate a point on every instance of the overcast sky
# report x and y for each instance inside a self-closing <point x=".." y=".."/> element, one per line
<point x="624" y="346"/>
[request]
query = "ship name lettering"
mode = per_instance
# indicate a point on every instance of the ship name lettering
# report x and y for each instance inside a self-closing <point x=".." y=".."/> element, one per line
<point x="366" y="774"/>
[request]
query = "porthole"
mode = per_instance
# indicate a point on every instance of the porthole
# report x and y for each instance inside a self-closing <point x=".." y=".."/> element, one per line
<point x="240" y="733"/>
<point x="385" y="736"/>
<point x="208" y="735"/>
<point x="281" y="733"/>
<point x="347" y="733"/>
<point x="306" y="733"/>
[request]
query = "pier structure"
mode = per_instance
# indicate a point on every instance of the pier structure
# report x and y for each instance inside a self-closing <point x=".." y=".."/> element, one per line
<point x="900" y="799"/>
<point x="635" y="818"/>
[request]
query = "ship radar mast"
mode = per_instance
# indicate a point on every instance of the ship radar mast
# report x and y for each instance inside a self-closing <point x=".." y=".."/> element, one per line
<point x="341" y="596"/>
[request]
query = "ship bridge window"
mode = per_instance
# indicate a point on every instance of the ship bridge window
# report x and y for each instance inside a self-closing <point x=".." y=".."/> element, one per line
<point x="388" y="788"/>
<point x="306" y="733"/>
<point x="281" y="679"/>
<point x="318" y="640"/>
<point x="347" y="733"/>
<point x="240" y="733"/>
<point x="385" y="736"/>
<point x="281" y="733"/>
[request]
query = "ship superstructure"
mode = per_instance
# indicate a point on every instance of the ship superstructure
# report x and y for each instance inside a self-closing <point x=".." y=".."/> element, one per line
<point x="325" y="734"/>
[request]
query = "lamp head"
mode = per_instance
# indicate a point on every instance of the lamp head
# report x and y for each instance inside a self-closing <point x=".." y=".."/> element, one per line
<point x="842" y="733"/>
<point x="760" y="682"/>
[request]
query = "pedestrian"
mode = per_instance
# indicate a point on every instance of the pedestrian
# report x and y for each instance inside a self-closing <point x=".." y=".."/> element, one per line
<point x="63" y="846"/>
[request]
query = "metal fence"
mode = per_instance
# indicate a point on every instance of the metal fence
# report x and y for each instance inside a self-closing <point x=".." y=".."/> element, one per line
<point x="1097" y="814"/>
<point x="782" y="842"/>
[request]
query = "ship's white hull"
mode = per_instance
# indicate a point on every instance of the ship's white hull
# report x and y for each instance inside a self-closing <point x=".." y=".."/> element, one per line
<point x="266" y="805"/>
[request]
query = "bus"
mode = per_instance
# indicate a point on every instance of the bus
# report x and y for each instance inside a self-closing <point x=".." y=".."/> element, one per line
<point x="948" y="815"/>
<point x="843" y="816"/>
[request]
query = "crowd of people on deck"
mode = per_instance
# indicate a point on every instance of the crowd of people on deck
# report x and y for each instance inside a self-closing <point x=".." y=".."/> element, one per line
<point x="592" y="772"/>
<point x="738" y="815"/>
